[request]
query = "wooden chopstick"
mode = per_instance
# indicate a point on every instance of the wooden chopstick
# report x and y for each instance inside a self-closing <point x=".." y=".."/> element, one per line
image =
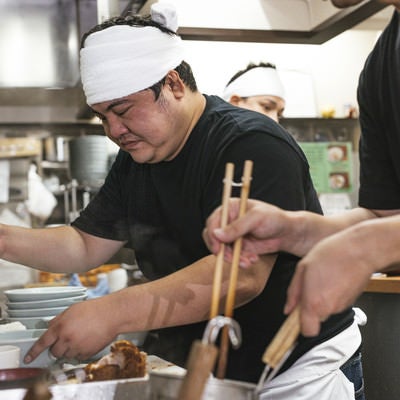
<point x="237" y="247"/>
<point x="280" y="348"/>
<point x="283" y="340"/>
<point x="216" y="290"/>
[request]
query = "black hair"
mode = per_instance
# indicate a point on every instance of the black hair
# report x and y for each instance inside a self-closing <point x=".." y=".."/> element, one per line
<point x="130" y="20"/>
<point x="248" y="68"/>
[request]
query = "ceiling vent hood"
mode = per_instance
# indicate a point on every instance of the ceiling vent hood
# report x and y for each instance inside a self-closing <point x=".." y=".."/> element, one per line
<point x="39" y="52"/>
<point x="40" y="39"/>
<point x="38" y="43"/>
<point x="270" y="21"/>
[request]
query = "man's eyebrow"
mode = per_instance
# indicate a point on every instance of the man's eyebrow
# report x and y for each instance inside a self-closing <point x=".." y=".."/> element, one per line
<point x="114" y="104"/>
<point x="268" y="99"/>
<point x="110" y="106"/>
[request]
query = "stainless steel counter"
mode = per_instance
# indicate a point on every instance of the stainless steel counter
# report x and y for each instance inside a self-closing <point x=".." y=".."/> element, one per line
<point x="108" y="390"/>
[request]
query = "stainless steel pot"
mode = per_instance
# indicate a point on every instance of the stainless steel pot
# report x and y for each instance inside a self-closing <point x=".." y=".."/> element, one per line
<point x="166" y="387"/>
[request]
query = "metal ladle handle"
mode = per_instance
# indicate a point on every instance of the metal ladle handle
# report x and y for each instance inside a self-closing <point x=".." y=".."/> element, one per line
<point x="203" y="355"/>
<point x="216" y="324"/>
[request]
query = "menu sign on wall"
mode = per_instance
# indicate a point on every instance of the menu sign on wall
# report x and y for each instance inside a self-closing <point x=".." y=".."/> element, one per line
<point x="330" y="165"/>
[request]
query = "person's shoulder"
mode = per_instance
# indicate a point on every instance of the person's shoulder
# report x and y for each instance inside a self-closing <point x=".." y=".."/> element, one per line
<point x="387" y="43"/>
<point x="237" y="122"/>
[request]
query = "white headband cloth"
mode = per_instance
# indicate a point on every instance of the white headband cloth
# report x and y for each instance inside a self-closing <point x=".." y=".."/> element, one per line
<point x="257" y="81"/>
<point x="123" y="59"/>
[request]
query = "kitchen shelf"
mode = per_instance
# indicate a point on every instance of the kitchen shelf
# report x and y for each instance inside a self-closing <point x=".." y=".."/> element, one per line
<point x="43" y="130"/>
<point x="54" y="164"/>
<point x="302" y="129"/>
<point x="324" y="129"/>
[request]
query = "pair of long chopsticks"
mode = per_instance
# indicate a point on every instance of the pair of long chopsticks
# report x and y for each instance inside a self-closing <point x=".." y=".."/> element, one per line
<point x="226" y="194"/>
<point x="203" y="354"/>
<point x="280" y="347"/>
<point x="230" y="300"/>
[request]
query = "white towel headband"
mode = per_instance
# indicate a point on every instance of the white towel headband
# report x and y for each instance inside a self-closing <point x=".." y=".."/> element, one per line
<point x="123" y="59"/>
<point x="256" y="82"/>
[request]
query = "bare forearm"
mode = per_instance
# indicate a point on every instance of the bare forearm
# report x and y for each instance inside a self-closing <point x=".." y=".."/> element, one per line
<point x="60" y="249"/>
<point x="380" y="241"/>
<point x="183" y="297"/>
<point x="267" y="229"/>
<point x="305" y="229"/>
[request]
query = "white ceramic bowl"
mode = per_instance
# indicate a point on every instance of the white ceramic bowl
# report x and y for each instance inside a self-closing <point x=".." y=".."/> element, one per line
<point x="43" y="293"/>
<point x="62" y="302"/>
<point x="25" y="340"/>
<point x="36" y="312"/>
<point x="32" y="323"/>
<point x="9" y="356"/>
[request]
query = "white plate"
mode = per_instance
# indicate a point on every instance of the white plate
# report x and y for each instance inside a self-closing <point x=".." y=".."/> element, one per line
<point x="61" y="302"/>
<point x="43" y="293"/>
<point x="32" y="323"/>
<point x="36" y="312"/>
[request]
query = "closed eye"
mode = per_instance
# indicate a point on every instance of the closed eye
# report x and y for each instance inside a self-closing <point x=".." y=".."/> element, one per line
<point x="120" y="111"/>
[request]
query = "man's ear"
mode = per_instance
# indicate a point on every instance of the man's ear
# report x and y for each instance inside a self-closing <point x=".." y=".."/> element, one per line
<point x="175" y="83"/>
<point x="235" y="100"/>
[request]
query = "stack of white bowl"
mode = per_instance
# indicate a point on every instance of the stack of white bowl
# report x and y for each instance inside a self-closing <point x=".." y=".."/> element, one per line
<point x="34" y="307"/>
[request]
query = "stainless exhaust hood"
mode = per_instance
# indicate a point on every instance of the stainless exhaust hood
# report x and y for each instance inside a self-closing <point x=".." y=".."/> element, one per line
<point x="39" y="39"/>
<point x="38" y="43"/>
<point x="39" y="52"/>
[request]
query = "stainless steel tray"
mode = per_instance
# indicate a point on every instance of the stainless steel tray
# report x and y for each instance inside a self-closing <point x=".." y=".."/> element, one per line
<point x="121" y="389"/>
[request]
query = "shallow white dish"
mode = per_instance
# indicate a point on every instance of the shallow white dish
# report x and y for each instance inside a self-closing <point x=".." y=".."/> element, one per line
<point x="43" y="293"/>
<point x="32" y="323"/>
<point x="61" y="302"/>
<point x="25" y="340"/>
<point x="36" y="312"/>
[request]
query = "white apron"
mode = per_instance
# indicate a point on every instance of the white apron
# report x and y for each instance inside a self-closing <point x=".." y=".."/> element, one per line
<point x="317" y="374"/>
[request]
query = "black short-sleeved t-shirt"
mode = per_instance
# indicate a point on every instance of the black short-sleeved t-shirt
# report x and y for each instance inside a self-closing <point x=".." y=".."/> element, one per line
<point x="379" y="99"/>
<point x="160" y="210"/>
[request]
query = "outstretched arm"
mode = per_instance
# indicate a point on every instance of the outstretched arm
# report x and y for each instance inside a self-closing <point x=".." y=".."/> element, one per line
<point x="268" y="229"/>
<point x="181" y="298"/>
<point x="335" y="272"/>
<point x="59" y="249"/>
